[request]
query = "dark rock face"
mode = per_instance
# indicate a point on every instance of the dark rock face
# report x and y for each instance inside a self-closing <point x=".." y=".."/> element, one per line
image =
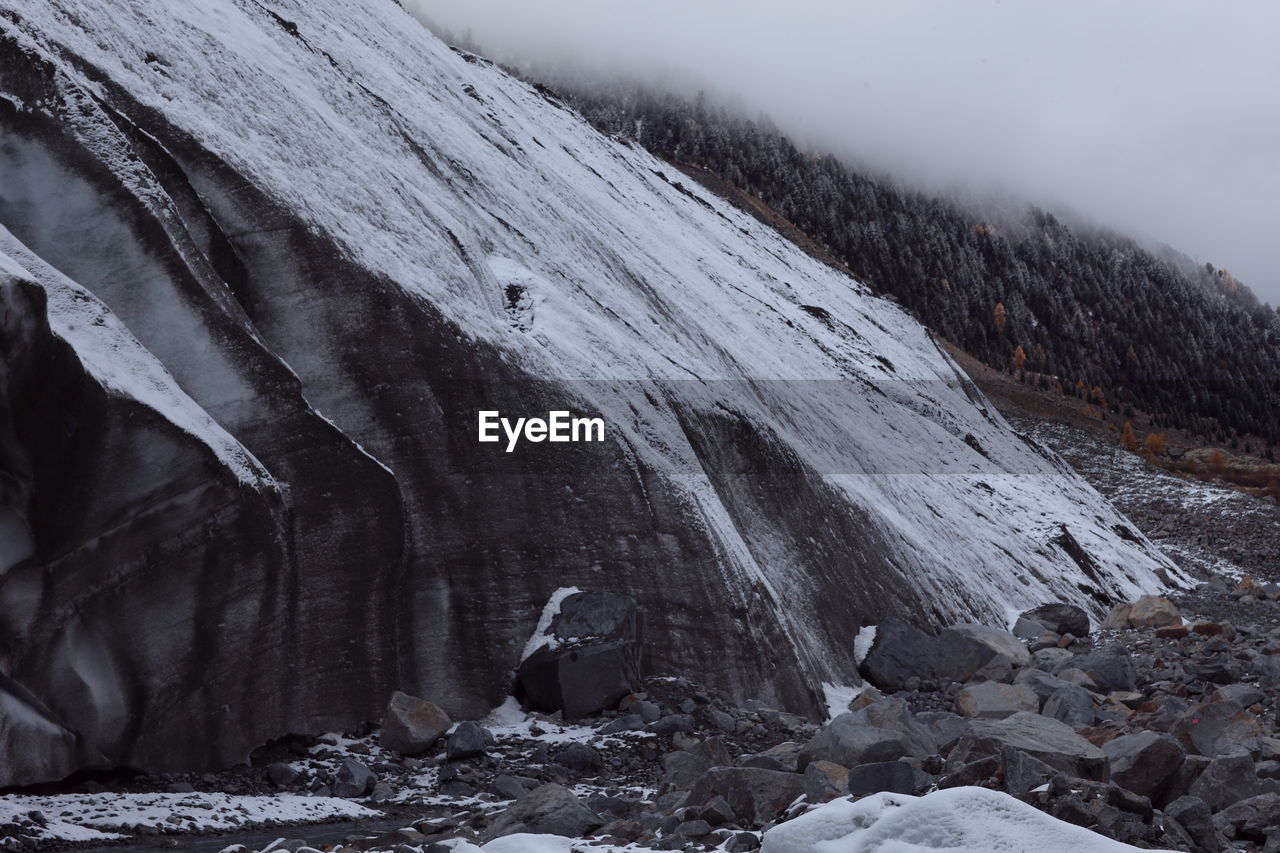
<point x="306" y="522"/>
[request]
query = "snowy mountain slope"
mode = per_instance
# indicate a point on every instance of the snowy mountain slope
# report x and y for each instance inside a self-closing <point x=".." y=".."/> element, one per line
<point x="342" y="240"/>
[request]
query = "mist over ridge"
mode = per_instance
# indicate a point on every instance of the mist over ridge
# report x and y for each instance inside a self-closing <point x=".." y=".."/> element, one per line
<point x="1151" y="118"/>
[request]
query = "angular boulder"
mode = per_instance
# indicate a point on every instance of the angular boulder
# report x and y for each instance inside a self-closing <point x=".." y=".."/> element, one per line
<point x="1072" y="705"/>
<point x="1110" y="667"/>
<point x="411" y="725"/>
<point x="896" y="777"/>
<point x="1050" y="741"/>
<point x="900" y="652"/>
<point x="884" y="731"/>
<point x="1153" y="611"/>
<point x="587" y="659"/>
<point x="353" y="779"/>
<point x="468" y="740"/>
<point x="964" y="650"/>
<point x="1215" y="728"/>
<point x="825" y="781"/>
<point x="755" y="795"/>
<point x="1195" y="817"/>
<point x="1229" y="779"/>
<point x="1060" y="618"/>
<point x="991" y="700"/>
<point x="549" y="809"/>
<point x="1144" y="762"/>
<point x="1251" y="818"/>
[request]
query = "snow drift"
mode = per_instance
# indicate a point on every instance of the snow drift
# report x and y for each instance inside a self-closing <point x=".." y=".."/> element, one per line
<point x="957" y="820"/>
<point x="266" y="259"/>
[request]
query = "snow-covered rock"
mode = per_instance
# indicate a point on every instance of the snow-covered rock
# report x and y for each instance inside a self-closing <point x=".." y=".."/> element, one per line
<point x="956" y="820"/>
<point x="266" y="263"/>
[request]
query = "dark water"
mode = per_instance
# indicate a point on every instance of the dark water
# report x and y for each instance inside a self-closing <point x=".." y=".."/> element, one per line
<point x="315" y="834"/>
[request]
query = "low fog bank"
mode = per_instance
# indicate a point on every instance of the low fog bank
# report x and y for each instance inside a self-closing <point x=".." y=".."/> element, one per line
<point x="1155" y="117"/>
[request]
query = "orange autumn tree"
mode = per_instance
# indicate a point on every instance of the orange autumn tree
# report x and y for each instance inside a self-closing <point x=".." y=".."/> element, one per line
<point x="1019" y="357"/>
<point x="1154" y="444"/>
<point x="1001" y="316"/>
<point x="1128" y="440"/>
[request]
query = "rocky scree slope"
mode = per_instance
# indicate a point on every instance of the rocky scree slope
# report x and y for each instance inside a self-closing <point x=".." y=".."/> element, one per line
<point x="1156" y="729"/>
<point x="263" y="263"/>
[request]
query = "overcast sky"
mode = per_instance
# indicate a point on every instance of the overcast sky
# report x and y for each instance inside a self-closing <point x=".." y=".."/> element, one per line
<point x="1158" y="117"/>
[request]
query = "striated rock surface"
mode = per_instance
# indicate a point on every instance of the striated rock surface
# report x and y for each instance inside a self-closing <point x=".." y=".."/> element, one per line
<point x="262" y="264"/>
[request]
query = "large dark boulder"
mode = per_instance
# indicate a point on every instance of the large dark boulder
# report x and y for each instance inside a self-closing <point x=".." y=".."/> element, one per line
<point x="410" y="726"/>
<point x="1042" y="738"/>
<point x="899" y="653"/>
<point x="965" y="650"/>
<point x="1111" y="667"/>
<point x="587" y="659"/>
<point x="1216" y="728"/>
<point x="883" y="731"/>
<point x="1196" y="818"/>
<point x="353" y="779"/>
<point x="1144" y="762"/>
<point x="896" y="777"/>
<point x="549" y="809"/>
<point x="468" y="740"/>
<point x="1072" y="705"/>
<point x="1251" y="818"/>
<point x="1229" y="779"/>
<point x="1060" y="618"/>
<point x="756" y="796"/>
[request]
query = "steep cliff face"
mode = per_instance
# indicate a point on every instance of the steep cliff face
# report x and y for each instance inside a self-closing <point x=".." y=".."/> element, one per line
<point x="263" y="263"/>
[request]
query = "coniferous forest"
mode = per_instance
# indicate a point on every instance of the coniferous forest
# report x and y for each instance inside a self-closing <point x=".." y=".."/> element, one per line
<point x="1070" y="306"/>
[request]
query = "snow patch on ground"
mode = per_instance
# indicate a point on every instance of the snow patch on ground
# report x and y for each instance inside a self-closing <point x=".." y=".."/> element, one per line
<point x="838" y="697"/>
<point x="956" y="820"/>
<point x="96" y="817"/>
<point x="16" y="814"/>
